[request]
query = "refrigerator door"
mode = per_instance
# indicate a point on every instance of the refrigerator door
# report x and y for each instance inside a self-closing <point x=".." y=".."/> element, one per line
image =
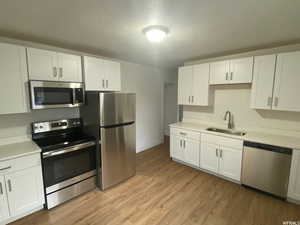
<point x="117" y="154"/>
<point x="116" y="108"/>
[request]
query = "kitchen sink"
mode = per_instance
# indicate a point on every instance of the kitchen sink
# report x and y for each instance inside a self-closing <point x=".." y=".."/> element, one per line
<point x="225" y="131"/>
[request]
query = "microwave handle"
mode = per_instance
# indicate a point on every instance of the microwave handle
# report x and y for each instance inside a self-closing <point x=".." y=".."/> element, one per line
<point x="73" y="96"/>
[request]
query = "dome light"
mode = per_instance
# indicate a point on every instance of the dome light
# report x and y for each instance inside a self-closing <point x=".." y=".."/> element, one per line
<point x="156" y="33"/>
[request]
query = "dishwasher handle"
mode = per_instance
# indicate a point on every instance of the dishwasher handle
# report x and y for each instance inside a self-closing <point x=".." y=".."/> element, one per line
<point x="266" y="147"/>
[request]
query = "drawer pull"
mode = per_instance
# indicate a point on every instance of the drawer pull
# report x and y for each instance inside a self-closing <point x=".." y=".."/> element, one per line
<point x="182" y="133"/>
<point x="1" y="189"/>
<point x="6" y="168"/>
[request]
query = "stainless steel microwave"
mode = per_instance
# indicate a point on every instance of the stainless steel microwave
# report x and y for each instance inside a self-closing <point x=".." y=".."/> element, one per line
<point x="49" y="94"/>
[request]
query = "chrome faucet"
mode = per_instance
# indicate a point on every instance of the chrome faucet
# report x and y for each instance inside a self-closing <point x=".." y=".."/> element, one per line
<point x="230" y="120"/>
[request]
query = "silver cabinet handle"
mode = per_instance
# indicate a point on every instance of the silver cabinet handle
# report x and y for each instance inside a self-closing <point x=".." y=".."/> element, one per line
<point x="54" y="72"/>
<point x="226" y="75"/>
<point x="269" y="103"/>
<point x="193" y="99"/>
<point x="189" y="99"/>
<point x="276" y="101"/>
<point x="182" y="133"/>
<point x="180" y="143"/>
<point x="9" y="185"/>
<point x="106" y="83"/>
<point x="231" y="75"/>
<point x="1" y="189"/>
<point x="217" y="152"/>
<point x="221" y="153"/>
<point x="60" y="72"/>
<point x="5" y="168"/>
<point x="183" y="143"/>
<point x="103" y="85"/>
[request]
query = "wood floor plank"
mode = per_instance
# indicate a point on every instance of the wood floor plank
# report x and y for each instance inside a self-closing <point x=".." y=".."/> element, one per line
<point x="165" y="192"/>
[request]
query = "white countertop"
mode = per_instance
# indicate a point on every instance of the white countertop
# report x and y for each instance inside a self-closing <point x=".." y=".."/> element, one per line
<point x="15" y="150"/>
<point x="260" y="137"/>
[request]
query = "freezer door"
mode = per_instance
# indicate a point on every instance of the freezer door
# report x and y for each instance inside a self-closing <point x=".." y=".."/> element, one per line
<point x="116" y="108"/>
<point x="117" y="154"/>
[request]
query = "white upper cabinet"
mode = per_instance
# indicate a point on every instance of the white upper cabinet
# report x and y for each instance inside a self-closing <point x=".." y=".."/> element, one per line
<point x="113" y="76"/>
<point x="53" y="66"/>
<point x="69" y="67"/>
<point x="287" y="82"/>
<point x="185" y="84"/>
<point x="219" y="72"/>
<point x="263" y="80"/>
<point x="13" y="79"/>
<point x="42" y="64"/>
<point x="241" y="70"/>
<point x="201" y="92"/>
<point x="193" y="85"/>
<point x="101" y="75"/>
<point x="231" y="71"/>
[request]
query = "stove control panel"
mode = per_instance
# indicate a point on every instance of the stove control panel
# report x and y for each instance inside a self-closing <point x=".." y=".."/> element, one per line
<point x="45" y="126"/>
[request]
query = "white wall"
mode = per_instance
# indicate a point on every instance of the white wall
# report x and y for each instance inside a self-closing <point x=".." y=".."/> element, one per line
<point x="148" y="84"/>
<point x="14" y="125"/>
<point x="236" y="98"/>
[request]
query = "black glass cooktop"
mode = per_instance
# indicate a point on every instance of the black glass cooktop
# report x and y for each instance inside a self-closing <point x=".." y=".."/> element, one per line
<point x="64" y="140"/>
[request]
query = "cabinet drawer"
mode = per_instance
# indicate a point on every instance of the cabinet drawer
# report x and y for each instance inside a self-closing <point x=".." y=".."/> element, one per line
<point x="224" y="141"/>
<point x="186" y="133"/>
<point x="20" y="163"/>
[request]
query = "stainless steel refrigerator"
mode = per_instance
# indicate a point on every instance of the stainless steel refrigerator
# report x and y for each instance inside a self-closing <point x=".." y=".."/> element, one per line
<point x="110" y="118"/>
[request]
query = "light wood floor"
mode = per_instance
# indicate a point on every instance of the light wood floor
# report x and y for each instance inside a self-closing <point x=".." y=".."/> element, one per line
<point x="165" y="192"/>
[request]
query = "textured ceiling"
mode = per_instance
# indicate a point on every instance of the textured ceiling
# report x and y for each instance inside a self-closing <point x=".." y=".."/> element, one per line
<point x="113" y="28"/>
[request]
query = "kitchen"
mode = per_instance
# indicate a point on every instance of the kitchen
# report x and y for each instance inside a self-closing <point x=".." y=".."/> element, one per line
<point x="220" y="127"/>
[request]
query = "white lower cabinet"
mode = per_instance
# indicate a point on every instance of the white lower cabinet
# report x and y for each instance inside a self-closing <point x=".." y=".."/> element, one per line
<point x="230" y="163"/>
<point x="222" y="156"/>
<point x="294" y="184"/>
<point x="185" y="146"/>
<point x="21" y="187"/>
<point x="4" y="212"/>
<point x="208" y="157"/>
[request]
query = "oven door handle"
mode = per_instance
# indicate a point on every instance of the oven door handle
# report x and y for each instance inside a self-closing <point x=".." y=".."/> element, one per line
<point x="68" y="149"/>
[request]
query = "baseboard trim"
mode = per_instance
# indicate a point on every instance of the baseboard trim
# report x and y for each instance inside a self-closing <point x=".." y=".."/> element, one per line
<point x="14" y="218"/>
<point x="207" y="171"/>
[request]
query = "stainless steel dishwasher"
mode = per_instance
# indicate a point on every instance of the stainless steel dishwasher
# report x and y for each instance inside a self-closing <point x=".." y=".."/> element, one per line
<point x="266" y="168"/>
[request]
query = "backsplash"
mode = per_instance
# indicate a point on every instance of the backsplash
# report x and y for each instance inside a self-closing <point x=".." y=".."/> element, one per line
<point x="236" y="98"/>
<point x="14" y="125"/>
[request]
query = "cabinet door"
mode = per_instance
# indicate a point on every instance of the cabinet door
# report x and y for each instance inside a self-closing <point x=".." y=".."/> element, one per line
<point x="263" y="79"/>
<point x="4" y="211"/>
<point x="185" y="85"/>
<point x="209" y="157"/>
<point x="13" y="79"/>
<point x="241" y="70"/>
<point x="294" y="183"/>
<point x="69" y="67"/>
<point x="192" y="152"/>
<point x="176" y="144"/>
<point x="287" y="82"/>
<point x="94" y="74"/>
<point x="42" y="64"/>
<point x="112" y="76"/>
<point x="219" y="72"/>
<point x="25" y="190"/>
<point x="230" y="163"/>
<point x="200" y="95"/>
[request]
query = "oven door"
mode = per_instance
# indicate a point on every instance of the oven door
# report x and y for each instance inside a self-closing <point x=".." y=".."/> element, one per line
<point x="67" y="166"/>
<point x="47" y="94"/>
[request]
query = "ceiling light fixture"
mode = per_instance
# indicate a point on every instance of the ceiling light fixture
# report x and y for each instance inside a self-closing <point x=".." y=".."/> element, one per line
<point x="156" y="33"/>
